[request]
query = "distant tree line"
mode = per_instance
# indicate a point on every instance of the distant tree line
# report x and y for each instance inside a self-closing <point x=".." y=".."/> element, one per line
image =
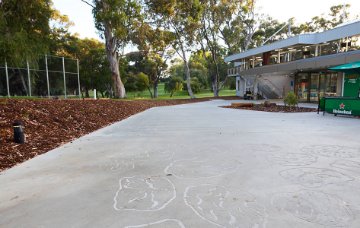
<point x="179" y="42"/>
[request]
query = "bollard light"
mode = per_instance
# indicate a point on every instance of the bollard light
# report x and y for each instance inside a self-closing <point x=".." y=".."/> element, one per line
<point x="19" y="136"/>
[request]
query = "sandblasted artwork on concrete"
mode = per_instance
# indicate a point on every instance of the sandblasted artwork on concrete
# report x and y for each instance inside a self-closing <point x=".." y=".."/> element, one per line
<point x="202" y="167"/>
<point x="334" y="151"/>
<point x="315" y="207"/>
<point x="144" y="194"/>
<point x="130" y="160"/>
<point x="261" y="148"/>
<point x="353" y="166"/>
<point x="292" y="159"/>
<point x="315" y="177"/>
<point x="173" y="223"/>
<point x="117" y="165"/>
<point x="225" y="208"/>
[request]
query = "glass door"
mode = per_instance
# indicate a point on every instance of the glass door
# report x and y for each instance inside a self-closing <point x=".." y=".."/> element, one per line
<point x="302" y="86"/>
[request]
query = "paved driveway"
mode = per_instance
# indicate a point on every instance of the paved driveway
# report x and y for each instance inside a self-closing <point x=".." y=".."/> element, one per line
<point x="194" y="165"/>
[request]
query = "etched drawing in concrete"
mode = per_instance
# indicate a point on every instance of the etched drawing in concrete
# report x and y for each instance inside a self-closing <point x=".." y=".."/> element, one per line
<point x="261" y="147"/>
<point x="353" y="166"/>
<point x="202" y="167"/>
<point x="173" y="223"/>
<point x="144" y="194"/>
<point x="292" y="159"/>
<point x="117" y="165"/>
<point x="315" y="207"/>
<point x="225" y="208"/>
<point x="315" y="177"/>
<point x="130" y="160"/>
<point x="334" y="151"/>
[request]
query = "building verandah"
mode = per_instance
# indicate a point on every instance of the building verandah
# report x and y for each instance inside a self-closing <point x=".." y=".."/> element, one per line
<point x="299" y="64"/>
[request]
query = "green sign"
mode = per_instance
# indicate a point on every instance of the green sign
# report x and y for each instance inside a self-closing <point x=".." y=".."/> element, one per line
<point x="343" y="106"/>
<point x="351" y="85"/>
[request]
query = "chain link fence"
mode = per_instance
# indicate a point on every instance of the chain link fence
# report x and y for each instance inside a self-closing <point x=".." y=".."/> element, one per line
<point x="51" y="76"/>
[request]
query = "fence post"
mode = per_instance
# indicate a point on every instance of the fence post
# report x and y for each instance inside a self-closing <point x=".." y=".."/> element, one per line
<point x="63" y="62"/>
<point x="29" y="79"/>
<point x="47" y="76"/>
<point x="7" y="79"/>
<point x="78" y="74"/>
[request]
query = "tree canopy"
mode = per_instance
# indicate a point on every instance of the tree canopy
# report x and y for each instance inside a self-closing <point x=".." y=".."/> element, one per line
<point x="200" y="32"/>
<point x="24" y="29"/>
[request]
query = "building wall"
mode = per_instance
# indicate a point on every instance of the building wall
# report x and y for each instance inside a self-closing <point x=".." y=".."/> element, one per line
<point x="271" y="87"/>
<point x="276" y="86"/>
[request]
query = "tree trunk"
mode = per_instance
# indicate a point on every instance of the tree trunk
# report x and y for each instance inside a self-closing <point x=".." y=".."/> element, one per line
<point x="119" y="89"/>
<point x="151" y="94"/>
<point x="23" y="82"/>
<point x="187" y="71"/>
<point x="216" y="88"/>
<point x="188" y="80"/>
<point x="111" y="53"/>
<point x="87" y="95"/>
<point x="156" y="85"/>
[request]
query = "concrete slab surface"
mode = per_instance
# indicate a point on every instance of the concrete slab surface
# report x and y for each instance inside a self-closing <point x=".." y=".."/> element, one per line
<point x="194" y="165"/>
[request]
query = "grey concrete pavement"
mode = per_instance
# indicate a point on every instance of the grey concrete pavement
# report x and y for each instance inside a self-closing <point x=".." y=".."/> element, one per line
<point x="195" y="165"/>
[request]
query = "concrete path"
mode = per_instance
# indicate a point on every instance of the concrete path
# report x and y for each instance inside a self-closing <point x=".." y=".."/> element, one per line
<point x="195" y="165"/>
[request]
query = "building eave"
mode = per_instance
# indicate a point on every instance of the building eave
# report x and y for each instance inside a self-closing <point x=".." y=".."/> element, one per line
<point x="344" y="31"/>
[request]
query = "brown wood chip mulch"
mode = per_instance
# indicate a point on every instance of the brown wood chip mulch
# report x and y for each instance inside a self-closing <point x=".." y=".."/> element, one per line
<point x="51" y="123"/>
<point x="273" y="108"/>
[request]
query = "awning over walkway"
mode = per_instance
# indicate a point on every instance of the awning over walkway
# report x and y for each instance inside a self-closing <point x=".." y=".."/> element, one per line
<point x="348" y="68"/>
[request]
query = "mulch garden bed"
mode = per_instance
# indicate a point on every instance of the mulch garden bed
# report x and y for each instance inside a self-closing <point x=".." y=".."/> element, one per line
<point x="269" y="108"/>
<point x="51" y="123"/>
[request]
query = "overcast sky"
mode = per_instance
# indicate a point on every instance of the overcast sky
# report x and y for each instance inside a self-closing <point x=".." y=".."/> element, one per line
<point x="282" y="10"/>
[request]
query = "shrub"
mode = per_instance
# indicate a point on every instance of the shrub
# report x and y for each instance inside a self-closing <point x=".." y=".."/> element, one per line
<point x="195" y="85"/>
<point x="291" y="99"/>
<point x="137" y="82"/>
<point x="174" y="84"/>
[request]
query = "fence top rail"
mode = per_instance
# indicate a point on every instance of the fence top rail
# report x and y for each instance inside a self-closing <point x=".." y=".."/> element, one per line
<point x="50" y="71"/>
<point x="60" y="57"/>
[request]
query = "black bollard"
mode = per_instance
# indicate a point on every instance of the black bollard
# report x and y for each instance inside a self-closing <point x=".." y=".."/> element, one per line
<point x="19" y="136"/>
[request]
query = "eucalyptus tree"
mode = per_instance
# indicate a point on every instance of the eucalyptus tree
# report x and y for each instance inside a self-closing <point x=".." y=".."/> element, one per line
<point x="24" y="30"/>
<point x="116" y="20"/>
<point x="224" y="22"/>
<point x="155" y="45"/>
<point x="337" y="15"/>
<point x="269" y="30"/>
<point x="94" y="67"/>
<point x="239" y="23"/>
<point x="182" y="18"/>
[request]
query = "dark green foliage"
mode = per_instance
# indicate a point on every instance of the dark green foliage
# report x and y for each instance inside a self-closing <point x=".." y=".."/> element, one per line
<point x="24" y="29"/>
<point x="174" y="84"/>
<point x="195" y="85"/>
<point x="94" y="66"/>
<point x="137" y="82"/>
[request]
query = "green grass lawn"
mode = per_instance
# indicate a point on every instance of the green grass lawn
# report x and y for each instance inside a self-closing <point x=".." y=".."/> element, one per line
<point x="146" y="95"/>
<point x="178" y="95"/>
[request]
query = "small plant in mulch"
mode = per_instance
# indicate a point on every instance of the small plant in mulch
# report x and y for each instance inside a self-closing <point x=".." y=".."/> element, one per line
<point x="291" y="100"/>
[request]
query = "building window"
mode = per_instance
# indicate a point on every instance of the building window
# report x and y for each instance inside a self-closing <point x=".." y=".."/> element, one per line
<point x="309" y="86"/>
